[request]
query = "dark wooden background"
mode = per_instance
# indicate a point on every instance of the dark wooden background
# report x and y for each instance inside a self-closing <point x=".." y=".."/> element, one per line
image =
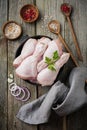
<point x="49" y="9"/>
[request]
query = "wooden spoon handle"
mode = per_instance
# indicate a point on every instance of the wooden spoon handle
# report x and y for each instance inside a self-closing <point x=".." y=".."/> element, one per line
<point x="67" y="48"/>
<point x="64" y="123"/>
<point x="86" y="81"/>
<point x="75" y="39"/>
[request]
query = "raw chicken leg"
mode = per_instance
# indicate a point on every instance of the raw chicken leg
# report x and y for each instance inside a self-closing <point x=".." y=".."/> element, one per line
<point x="28" y="67"/>
<point x="54" y="45"/>
<point x="45" y="40"/>
<point x="47" y="76"/>
<point x="27" y="50"/>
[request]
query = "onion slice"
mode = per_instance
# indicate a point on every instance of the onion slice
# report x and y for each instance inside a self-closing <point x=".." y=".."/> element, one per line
<point x="16" y="91"/>
<point x="22" y="95"/>
<point x="28" y="94"/>
<point x="11" y="85"/>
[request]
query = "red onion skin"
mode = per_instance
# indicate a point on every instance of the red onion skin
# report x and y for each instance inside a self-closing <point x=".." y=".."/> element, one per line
<point x="16" y="94"/>
<point x="13" y="87"/>
<point x="21" y="98"/>
<point x="26" y="99"/>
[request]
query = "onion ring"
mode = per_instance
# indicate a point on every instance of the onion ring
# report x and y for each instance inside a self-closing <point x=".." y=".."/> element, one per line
<point x="14" y="88"/>
<point x="13" y="92"/>
<point x="19" y="92"/>
<point x="12" y="84"/>
<point x="22" y="97"/>
<point x="28" y="94"/>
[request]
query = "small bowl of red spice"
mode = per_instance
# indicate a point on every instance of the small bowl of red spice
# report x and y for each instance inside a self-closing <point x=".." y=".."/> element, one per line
<point x="29" y="13"/>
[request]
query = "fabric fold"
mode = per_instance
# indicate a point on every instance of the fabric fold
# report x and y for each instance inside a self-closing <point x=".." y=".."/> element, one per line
<point x="60" y="98"/>
<point x="39" y="110"/>
<point x="76" y="96"/>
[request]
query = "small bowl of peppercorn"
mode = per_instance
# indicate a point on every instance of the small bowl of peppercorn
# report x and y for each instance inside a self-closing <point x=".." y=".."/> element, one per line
<point x="29" y="13"/>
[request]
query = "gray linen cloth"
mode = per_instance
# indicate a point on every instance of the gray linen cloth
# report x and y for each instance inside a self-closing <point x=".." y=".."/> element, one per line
<point x="61" y="99"/>
<point x="38" y="111"/>
<point x="76" y="96"/>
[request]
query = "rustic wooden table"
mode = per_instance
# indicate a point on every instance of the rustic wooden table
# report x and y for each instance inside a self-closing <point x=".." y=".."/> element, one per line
<point x="49" y="9"/>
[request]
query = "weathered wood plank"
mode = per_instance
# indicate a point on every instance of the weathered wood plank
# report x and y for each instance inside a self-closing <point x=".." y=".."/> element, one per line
<point x="49" y="10"/>
<point x="3" y="84"/>
<point x="3" y="13"/>
<point x="3" y="68"/>
<point x="78" y="119"/>
<point x="14" y="105"/>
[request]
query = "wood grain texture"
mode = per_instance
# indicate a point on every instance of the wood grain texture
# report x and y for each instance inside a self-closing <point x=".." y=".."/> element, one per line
<point x="49" y="10"/>
<point x="3" y="13"/>
<point x="13" y="104"/>
<point x="77" y="120"/>
<point x="3" y="84"/>
<point x="3" y="68"/>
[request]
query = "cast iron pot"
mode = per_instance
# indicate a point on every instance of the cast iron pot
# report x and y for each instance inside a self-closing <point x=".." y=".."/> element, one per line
<point x="18" y="52"/>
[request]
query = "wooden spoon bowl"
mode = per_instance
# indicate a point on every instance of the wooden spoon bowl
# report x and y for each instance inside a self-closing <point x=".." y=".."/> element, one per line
<point x="54" y="26"/>
<point x="66" y="9"/>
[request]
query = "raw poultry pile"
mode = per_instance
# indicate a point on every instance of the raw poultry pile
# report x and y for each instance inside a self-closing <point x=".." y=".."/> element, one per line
<point x="40" y="60"/>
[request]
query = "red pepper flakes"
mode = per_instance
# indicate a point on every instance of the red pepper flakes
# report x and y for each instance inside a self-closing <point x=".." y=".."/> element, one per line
<point x="65" y="8"/>
<point x="29" y="14"/>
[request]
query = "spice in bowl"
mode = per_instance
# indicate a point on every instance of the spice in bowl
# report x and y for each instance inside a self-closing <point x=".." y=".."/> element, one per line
<point x="29" y="13"/>
<point x="12" y="30"/>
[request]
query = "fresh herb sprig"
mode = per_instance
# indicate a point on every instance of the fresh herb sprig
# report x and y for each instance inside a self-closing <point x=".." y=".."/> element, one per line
<point x="50" y="61"/>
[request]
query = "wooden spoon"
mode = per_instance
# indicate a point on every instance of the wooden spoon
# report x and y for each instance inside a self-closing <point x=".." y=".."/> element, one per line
<point x="66" y="10"/>
<point x="54" y="26"/>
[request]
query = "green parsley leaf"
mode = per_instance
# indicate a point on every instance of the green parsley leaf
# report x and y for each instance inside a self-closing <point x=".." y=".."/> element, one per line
<point x="51" y="61"/>
<point x="52" y="67"/>
<point x="55" y="56"/>
<point x="48" y="60"/>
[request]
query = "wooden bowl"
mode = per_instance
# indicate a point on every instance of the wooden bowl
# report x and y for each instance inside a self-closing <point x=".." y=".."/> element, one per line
<point x="27" y="15"/>
<point x="4" y="27"/>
